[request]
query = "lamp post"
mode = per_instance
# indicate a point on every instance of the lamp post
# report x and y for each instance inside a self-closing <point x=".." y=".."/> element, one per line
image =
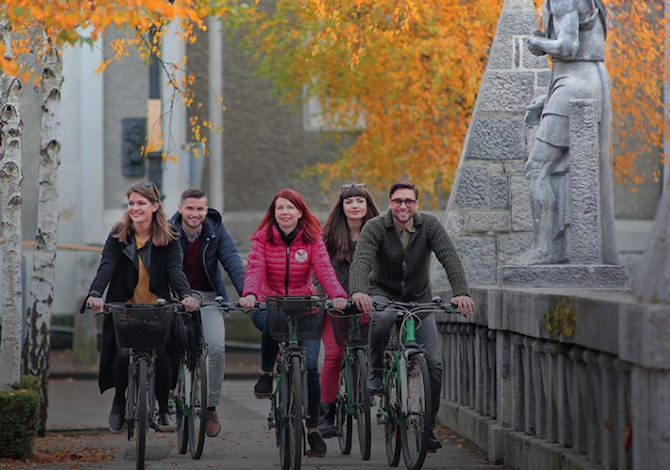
<point x="154" y="122"/>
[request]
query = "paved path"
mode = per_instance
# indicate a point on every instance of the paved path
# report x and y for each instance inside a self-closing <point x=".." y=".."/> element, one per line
<point x="245" y="443"/>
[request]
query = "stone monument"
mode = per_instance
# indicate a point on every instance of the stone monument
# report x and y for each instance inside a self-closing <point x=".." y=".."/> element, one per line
<point x="489" y="212"/>
<point x="568" y="171"/>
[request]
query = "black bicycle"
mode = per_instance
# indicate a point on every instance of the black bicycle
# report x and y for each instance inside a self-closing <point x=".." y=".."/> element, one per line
<point x="353" y="399"/>
<point x="142" y="328"/>
<point x="291" y="319"/>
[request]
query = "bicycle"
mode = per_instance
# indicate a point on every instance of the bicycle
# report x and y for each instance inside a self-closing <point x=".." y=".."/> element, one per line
<point x="190" y="397"/>
<point x="291" y="319"/>
<point x="353" y="399"/>
<point x="406" y="398"/>
<point x="142" y="328"/>
<point x="191" y="393"/>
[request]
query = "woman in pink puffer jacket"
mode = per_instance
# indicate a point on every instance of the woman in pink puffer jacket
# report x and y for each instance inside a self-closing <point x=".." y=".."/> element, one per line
<point x="286" y="250"/>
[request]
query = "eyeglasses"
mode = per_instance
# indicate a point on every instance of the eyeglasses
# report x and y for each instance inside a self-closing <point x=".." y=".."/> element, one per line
<point x="148" y="184"/>
<point x="352" y="185"/>
<point x="408" y="202"/>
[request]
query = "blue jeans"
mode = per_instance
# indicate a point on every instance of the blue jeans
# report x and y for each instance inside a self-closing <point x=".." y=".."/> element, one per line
<point x="380" y="329"/>
<point x="269" y="351"/>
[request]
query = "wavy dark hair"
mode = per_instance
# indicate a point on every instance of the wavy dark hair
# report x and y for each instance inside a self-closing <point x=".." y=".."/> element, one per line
<point x="162" y="232"/>
<point x="311" y="228"/>
<point x="336" y="234"/>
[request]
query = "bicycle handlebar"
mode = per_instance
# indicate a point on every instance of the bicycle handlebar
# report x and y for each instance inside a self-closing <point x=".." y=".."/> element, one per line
<point x="417" y="307"/>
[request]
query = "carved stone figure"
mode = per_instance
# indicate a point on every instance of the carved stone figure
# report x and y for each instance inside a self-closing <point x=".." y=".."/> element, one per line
<point x="574" y="36"/>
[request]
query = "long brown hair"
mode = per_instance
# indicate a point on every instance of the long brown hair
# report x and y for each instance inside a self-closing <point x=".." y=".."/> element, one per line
<point x="336" y="234"/>
<point x="161" y="231"/>
<point x="311" y="228"/>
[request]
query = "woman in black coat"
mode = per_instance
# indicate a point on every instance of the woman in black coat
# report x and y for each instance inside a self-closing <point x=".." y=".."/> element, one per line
<point x="141" y="262"/>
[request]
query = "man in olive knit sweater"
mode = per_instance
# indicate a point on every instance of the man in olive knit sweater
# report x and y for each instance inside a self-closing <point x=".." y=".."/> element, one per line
<point x="392" y="261"/>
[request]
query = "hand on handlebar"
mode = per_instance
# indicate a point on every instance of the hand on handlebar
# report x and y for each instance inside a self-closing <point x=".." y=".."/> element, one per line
<point x="248" y="301"/>
<point x="363" y="301"/>
<point x="190" y="303"/>
<point x="340" y="303"/>
<point x="465" y="304"/>
<point x="95" y="303"/>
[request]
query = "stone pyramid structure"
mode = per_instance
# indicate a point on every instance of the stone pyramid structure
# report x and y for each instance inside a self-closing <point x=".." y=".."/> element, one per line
<point x="489" y="213"/>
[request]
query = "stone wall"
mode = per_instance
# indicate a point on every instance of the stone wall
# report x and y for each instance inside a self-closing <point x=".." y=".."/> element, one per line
<point x="548" y="379"/>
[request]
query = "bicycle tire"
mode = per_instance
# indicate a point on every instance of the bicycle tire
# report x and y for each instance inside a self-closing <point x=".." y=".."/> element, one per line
<point x="295" y="414"/>
<point x="414" y="427"/>
<point x="279" y="402"/>
<point x="344" y="420"/>
<point x="362" y="402"/>
<point x="391" y="437"/>
<point x="182" y="410"/>
<point x="197" y="414"/>
<point x="141" y="420"/>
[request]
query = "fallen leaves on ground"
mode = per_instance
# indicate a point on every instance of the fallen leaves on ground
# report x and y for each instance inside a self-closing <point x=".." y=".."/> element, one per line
<point x="63" y="449"/>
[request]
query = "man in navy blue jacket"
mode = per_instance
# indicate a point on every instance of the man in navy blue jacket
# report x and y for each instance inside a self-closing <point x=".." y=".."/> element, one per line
<point x="206" y="243"/>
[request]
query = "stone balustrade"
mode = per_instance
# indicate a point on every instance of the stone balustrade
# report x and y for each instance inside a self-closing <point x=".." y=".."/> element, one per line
<point x="548" y="380"/>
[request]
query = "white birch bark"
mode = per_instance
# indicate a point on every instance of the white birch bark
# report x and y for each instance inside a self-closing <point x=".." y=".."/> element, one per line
<point x="37" y="346"/>
<point x="10" y="198"/>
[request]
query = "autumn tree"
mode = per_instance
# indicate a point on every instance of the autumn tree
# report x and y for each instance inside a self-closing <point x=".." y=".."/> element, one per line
<point x="411" y="71"/>
<point x="41" y="29"/>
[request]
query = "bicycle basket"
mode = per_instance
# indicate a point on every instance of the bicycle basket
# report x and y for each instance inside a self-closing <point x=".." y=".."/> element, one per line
<point x="350" y="330"/>
<point x="303" y="315"/>
<point x="186" y="338"/>
<point x="142" y="326"/>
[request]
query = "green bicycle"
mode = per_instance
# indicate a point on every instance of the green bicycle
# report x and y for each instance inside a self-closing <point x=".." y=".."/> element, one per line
<point x="406" y="398"/>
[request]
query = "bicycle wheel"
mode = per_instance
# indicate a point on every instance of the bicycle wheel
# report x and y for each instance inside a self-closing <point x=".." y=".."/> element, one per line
<point x="141" y="420"/>
<point x="391" y="437"/>
<point x="278" y="403"/>
<point x="362" y="402"/>
<point x="295" y="413"/>
<point x="344" y="420"/>
<point x="414" y="423"/>
<point x="182" y="409"/>
<point x="197" y="414"/>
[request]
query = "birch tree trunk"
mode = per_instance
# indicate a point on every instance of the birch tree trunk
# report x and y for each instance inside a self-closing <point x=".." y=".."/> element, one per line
<point x="10" y="198"/>
<point x="37" y="345"/>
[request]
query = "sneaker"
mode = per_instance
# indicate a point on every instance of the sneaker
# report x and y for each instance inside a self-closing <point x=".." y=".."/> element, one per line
<point x="166" y="423"/>
<point x="433" y="443"/>
<point x="263" y="388"/>
<point x="316" y="444"/>
<point x="116" y="419"/>
<point x="327" y="427"/>
<point x="212" y="428"/>
<point x="375" y="384"/>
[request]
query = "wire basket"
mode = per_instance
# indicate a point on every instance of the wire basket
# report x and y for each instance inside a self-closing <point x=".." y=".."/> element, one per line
<point x="350" y="330"/>
<point x="142" y="326"/>
<point x="294" y="317"/>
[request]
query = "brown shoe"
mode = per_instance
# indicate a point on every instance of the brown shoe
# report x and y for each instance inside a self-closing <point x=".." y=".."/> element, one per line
<point x="212" y="428"/>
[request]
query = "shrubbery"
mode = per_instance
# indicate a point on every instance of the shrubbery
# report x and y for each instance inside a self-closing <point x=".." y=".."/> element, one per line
<point x="19" y="420"/>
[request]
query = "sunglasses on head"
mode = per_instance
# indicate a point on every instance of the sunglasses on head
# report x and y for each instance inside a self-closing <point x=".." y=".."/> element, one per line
<point x="148" y="184"/>
<point x="352" y="185"/>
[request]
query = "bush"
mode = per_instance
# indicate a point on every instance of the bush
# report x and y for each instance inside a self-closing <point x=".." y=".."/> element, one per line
<point x="18" y="422"/>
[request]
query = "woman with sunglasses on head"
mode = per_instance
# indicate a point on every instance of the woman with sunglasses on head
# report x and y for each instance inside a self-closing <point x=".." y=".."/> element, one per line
<point x="286" y="249"/>
<point x="140" y="262"/>
<point x="353" y="208"/>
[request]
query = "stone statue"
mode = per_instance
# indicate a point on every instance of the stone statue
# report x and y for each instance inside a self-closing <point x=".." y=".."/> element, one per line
<point x="574" y="36"/>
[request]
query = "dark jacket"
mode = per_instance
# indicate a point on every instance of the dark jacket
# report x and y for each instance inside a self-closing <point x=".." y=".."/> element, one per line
<point x="118" y="270"/>
<point x="381" y="265"/>
<point x="216" y="246"/>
